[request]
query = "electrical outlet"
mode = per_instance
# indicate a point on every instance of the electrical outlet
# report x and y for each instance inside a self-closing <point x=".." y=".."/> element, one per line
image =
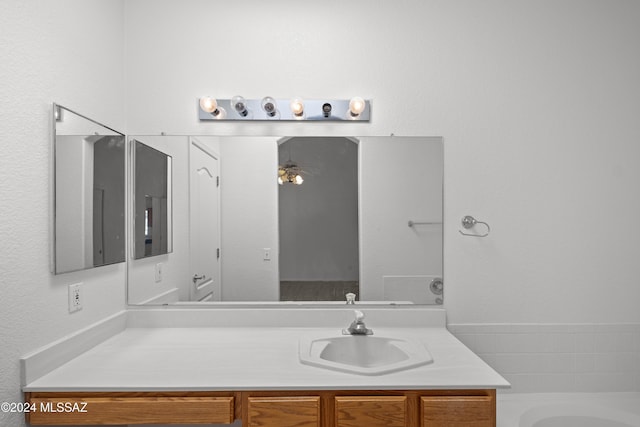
<point x="159" y="272"/>
<point x="75" y="297"/>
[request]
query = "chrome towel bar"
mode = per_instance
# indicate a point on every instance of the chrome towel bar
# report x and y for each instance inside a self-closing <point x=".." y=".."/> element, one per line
<point x="412" y="223"/>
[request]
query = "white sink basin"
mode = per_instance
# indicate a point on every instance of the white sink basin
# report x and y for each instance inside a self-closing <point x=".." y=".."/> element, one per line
<point x="365" y="355"/>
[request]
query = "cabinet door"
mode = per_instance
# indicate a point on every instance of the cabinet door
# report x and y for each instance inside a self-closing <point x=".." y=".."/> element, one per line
<point x="301" y="411"/>
<point x="371" y="411"/>
<point x="458" y="411"/>
<point x="126" y="410"/>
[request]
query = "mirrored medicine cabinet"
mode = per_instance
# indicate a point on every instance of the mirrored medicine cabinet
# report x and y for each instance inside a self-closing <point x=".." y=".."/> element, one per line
<point x="89" y="193"/>
<point x="237" y="220"/>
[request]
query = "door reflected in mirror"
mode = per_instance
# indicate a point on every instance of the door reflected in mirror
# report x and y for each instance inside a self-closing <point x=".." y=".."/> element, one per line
<point x="89" y="193"/>
<point x="152" y="201"/>
<point x="204" y="222"/>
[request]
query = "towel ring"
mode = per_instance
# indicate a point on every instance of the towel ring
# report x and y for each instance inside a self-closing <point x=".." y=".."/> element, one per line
<point x="468" y="222"/>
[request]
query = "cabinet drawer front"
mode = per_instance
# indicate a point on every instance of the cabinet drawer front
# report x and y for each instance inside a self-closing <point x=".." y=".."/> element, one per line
<point x="283" y="411"/>
<point x="458" y="411"/>
<point x="131" y="410"/>
<point x="371" y="411"/>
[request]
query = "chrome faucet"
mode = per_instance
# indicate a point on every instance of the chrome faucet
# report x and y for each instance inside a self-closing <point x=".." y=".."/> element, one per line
<point x="351" y="298"/>
<point x="357" y="327"/>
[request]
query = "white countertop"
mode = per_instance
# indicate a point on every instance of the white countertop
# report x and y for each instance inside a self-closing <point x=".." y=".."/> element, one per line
<point x="175" y="350"/>
<point x="251" y="358"/>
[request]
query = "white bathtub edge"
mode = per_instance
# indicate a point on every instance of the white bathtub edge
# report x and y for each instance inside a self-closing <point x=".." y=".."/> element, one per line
<point x="515" y="409"/>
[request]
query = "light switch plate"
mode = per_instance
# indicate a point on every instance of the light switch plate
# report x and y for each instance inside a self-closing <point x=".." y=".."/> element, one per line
<point x="159" y="272"/>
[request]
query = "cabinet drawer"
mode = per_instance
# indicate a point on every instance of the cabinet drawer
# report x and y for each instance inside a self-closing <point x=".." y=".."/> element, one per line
<point x="458" y="411"/>
<point x="371" y="411"/>
<point x="131" y="410"/>
<point x="303" y="411"/>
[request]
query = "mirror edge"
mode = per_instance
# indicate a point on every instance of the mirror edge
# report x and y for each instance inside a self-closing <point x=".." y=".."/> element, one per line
<point x="55" y="108"/>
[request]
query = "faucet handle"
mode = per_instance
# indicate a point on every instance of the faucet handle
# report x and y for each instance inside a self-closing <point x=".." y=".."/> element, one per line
<point x="357" y="327"/>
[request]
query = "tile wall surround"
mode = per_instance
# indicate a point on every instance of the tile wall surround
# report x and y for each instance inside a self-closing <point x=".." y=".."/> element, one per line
<point x="538" y="358"/>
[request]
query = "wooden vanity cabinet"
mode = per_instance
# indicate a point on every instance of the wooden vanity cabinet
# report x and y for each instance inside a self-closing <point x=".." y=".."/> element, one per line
<point x="360" y="408"/>
<point x="304" y="408"/>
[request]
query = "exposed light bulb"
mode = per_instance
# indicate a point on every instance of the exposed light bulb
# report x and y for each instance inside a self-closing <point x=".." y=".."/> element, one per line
<point x="240" y="105"/>
<point x="356" y="106"/>
<point x="299" y="180"/>
<point x="297" y="107"/>
<point x="326" y="109"/>
<point x="269" y="106"/>
<point x="208" y="104"/>
<point x="280" y="180"/>
<point x="220" y="113"/>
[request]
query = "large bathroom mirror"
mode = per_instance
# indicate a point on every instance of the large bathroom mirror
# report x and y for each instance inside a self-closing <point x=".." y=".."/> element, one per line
<point x="152" y="201"/>
<point x="89" y="193"/>
<point x="294" y="220"/>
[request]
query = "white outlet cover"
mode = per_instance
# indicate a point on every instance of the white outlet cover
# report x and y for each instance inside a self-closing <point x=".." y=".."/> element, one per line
<point x="75" y="297"/>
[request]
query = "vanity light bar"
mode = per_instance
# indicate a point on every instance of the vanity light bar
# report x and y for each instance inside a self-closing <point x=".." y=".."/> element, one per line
<point x="296" y="109"/>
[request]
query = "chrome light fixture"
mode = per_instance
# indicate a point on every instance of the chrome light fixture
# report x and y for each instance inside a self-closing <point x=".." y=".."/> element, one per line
<point x="269" y="108"/>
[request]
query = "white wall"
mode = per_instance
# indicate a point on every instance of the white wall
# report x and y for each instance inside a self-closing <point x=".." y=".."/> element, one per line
<point x="537" y="103"/>
<point x="70" y="52"/>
